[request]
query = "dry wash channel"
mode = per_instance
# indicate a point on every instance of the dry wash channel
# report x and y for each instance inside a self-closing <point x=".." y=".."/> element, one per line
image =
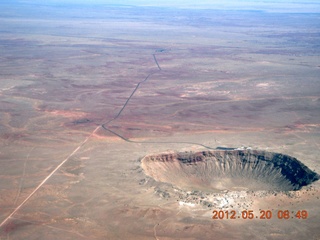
<point x="229" y="170"/>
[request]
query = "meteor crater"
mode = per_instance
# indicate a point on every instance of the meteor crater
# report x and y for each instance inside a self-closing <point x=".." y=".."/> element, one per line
<point x="232" y="170"/>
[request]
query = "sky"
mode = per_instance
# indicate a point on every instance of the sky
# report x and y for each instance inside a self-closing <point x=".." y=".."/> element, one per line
<point x="266" y="5"/>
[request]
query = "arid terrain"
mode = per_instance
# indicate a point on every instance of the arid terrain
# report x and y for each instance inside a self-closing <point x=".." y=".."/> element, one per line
<point x="86" y="93"/>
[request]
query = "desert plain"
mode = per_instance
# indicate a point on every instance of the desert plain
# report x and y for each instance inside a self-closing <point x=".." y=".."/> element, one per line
<point x="87" y="92"/>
